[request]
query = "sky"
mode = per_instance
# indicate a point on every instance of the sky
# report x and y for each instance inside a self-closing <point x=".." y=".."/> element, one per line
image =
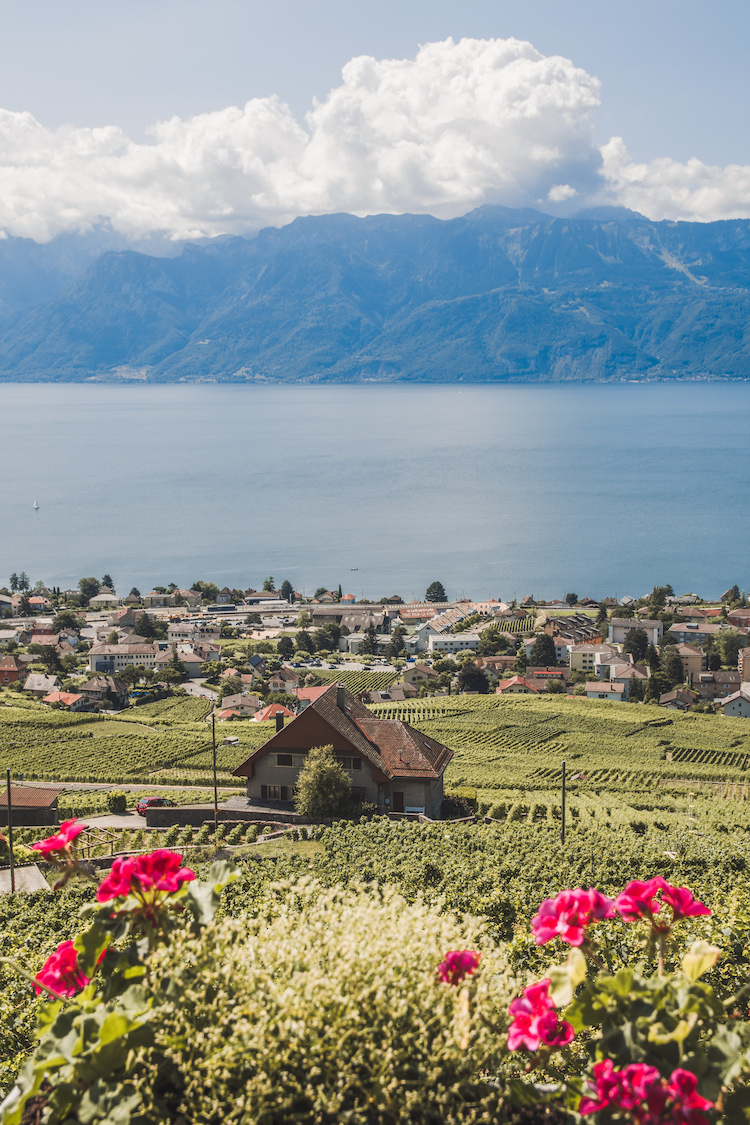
<point x="201" y="117"/>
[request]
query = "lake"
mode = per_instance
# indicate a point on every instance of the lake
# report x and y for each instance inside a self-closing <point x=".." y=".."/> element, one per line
<point x="498" y="491"/>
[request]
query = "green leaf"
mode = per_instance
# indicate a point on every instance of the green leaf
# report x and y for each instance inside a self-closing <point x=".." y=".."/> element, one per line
<point x="699" y="959"/>
<point x="89" y="946"/>
<point x="204" y="897"/>
<point x="561" y="986"/>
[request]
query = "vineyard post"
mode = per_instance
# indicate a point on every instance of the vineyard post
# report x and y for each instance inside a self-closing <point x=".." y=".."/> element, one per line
<point x="562" y="824"/>
<point x="216" y="789"/>
<point x="10" y="834"/>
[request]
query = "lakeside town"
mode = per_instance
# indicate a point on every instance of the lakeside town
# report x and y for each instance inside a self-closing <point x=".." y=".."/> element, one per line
<point x="259" y="653"/>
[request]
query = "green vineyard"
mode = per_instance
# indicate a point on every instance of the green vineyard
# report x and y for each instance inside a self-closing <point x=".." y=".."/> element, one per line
<point x="356" y="681"/>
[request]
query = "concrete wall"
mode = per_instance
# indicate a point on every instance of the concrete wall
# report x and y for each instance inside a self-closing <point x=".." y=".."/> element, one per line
<point x="199" y="814"/>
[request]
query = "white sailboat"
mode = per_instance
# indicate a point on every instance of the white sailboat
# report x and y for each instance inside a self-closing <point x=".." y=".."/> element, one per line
<point x="36" y="505"/>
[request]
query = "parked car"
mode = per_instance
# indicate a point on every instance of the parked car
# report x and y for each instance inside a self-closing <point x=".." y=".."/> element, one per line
<point x="153" y="803"/>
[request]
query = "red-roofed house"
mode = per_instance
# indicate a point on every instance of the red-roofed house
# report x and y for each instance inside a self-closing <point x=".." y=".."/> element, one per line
<point x="391" y="764"/>
<point x="9" y="670"/>
<point x="72" y="700"/>
<point x="516" y="686"/>
<point x="308" y="695"/>
<point x="271" y="711"/>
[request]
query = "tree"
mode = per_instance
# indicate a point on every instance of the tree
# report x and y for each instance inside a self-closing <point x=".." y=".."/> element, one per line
<point x="113" y="638"/>
<point x="471" y="678"/>
<point x="636" y="642"/>
<point x="67" y="619"/>
<point x="522" y="661"/>
<point x="209" y="591"/>
<point x="134" y="593"/>
<point x="652" y="658"/>
<point x="14" y="583"/>
<point x="320" y="591"/>
<point x="231" y="686"/>
<point x="636" y="690"/>
<point x="657" y="685"/>
<point x="287" y="591"/>
<point x="23" y="581"/>
<point x="285" y="647"/>
<point x="340" y="593"/>
<point x="396" y="642"/>
<point x="555" y="687"/>
<point x="369" y="644"/>
<point x="326" y="638"/>
<point x="729" y="644"/>
<point x="324" y="789"/>
<point x="659" y="595"/>
<point x="435" y="593"/>
<point x="733" y="594"/>
<point x="89" y="588"/>
<point x="268" y="586"/>
<point x="304" y="642"/>
<point x="303" y="619"/>
<point x="107" y="581"/>
<point x="601" y="617"/>
<point x="543" y="651"/>
<point x="672" y="668"/>
<point x="24" y="606"/>
<point x="571" y="599"/>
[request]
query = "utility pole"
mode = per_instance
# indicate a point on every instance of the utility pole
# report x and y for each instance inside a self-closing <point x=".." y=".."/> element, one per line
<point x="10" y="834"/>
<point x="562" y="825"/>
<point x="216" y="788"/>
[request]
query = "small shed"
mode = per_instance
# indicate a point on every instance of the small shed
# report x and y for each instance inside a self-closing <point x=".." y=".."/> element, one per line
<point x="30" y="805"/>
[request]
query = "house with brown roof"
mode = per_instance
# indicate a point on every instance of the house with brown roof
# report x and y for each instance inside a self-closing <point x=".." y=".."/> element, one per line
<point x="678" y="700"/>
<point x="419" y="674"/>
<point x="29" y="804"/>
<point x="391" y="764"/>
<point x="40" y="685"/>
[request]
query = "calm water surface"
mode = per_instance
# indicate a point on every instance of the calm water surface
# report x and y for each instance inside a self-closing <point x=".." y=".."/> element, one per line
<point x="495" y="491"/>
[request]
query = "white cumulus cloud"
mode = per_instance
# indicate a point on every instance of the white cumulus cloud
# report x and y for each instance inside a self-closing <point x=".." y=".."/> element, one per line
<point x="669" y="189"/>
<point x="461" y="124"/>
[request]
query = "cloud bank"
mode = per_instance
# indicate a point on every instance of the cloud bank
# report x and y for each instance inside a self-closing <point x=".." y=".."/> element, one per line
<point x="463" y="123"/>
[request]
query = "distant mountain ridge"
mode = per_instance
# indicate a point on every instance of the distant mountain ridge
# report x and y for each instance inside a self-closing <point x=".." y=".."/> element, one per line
<point x="497" y="295"/>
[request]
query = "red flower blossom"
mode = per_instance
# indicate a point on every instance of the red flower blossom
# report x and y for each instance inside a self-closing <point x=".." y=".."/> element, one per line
<point x="61" y="973"/>
<point x="535" y="1020"/>
<point x="458" y="963"/>
<point x="681" y="900"/>
<point x="147" y="877"/>
<point x="639" y="900"/>
<point x="69" y="831"/>
<point x="568" y="914"/>
<point x="648" y="1099"/>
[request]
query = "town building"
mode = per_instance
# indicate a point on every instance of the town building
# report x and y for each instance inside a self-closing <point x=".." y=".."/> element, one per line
<point x="392" y="765"/>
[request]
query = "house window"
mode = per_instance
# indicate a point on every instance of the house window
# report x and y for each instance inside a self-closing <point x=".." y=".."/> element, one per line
<point x="284" y="760"/>
<point x="273" y="792"/>
<point x="348" y="763"/>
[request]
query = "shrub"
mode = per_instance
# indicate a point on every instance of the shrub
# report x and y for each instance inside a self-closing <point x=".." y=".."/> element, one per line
<point x="324" y="789"/>
<point x="117" y="802"/>
<point x="252" y="834"/>
<point x="172" y="835"/>
<point x="385" y="1039"/>
<point x="235" y="835"/>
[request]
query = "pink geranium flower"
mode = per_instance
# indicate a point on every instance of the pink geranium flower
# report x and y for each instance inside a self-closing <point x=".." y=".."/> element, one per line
<point x="535" y="1020"/>
<point x="682" y="903"/>
<point x="61" y="973"/>
<point x="569" y="914"/>
<point x="646" y="899"/>
<point x="147" y="877"/>
<point x="458" y="963"/>
<point x="640" y="1092"/>
<point x="70" y="830"/>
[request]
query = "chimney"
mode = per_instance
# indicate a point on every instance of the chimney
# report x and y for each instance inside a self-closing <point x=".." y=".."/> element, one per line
<point x="340" y="697"/>
<point x="279" y="721"/>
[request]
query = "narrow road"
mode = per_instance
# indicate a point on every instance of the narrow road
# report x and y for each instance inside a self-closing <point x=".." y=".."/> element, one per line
<point x="192" y="688"/>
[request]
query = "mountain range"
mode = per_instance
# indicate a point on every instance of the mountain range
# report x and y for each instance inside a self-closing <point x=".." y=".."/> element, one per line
<point x="498" y="295"/>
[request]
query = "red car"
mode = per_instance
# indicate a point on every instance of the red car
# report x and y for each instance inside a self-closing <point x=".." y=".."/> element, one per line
<point x="153" y="803"/>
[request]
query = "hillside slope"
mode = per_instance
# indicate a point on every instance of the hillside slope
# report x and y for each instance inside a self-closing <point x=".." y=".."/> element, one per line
<point x="497" y="295"/>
